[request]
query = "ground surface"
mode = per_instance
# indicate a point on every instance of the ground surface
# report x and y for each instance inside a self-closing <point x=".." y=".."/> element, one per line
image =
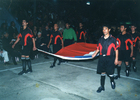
<point x="75" y="80"/>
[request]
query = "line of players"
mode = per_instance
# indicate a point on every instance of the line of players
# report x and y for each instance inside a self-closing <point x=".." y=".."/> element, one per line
<point x="113" y="51"/>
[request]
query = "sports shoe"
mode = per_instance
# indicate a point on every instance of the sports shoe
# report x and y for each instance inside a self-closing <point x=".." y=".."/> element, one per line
<point x="113" y="85"/>
<point x="135" y="69"/>
<point x="127" y="72"/>
<point x="100" y="89"/>
<point x="52" y="66"/>
<point x="21" y="73"/>
<point x="29" y="71"/>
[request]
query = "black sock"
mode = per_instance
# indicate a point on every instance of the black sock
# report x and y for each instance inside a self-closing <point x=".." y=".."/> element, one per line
<point x="111" y="78"/>
<point x="134" y="63"/>
<point x="23" y="63"/>
<point x="28" y="61"/>
<point x="119" y="70"/>
<point x="55" y="59"/>
<point x="127" y="67"/>
<point x="102" y="80"/>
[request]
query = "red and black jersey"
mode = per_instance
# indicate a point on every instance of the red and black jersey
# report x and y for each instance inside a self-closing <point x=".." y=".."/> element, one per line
<point x="25" y="36"/>
<point x="107" y="46"/>
<point x="56" y="38"/>
<point x="135" y="38"/>
<point x="124" y="41"/>
<point x="80" y="35"/>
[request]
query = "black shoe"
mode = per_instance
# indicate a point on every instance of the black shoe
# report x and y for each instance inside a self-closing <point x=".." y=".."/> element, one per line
<point x="29" y="71"/>
<point x="21" y="73"/>
<point x="59" y="63"/>
<point x="7" y="63"/>
<point x="127" y="72"/>
<point x="52" y="66"/>
<point x="135" y="69"/>
<point x="117" y="77"/>
<point x="113" y="85"/>
<point x="100" y="89"/>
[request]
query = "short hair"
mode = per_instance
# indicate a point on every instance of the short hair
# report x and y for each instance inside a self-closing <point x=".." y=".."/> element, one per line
<point x="133" y="25"/>
<point x="125" y="26"/>
<point x="106" y="25"/>
<point x="26" y="20"/>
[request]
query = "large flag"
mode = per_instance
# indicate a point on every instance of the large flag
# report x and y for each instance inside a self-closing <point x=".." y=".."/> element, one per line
<point x="77" y="51"/>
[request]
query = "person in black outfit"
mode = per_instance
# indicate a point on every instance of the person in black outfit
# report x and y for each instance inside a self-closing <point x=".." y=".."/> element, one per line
<point x="136" y="44"/>
<point x="27" y="40"/>
<point x="7" y="46"/>
<point x="125" y="50"/>
<point x="81" y="33"/>
<point x="12" y="31"/>
<point x="41" y="44"/>
<point x="57" y="42"/>
<point x="108" y="57"/>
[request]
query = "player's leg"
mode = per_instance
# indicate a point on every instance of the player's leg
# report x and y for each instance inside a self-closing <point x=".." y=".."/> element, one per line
<point x="134" y="64"/>
<point x="53" y="65"/>
<point x="23" y="59"/>
<point x="102" y="82"/>
<point x="118" y="69"/>
<point x="28" y="61"/>
<point x="127" y="68"/>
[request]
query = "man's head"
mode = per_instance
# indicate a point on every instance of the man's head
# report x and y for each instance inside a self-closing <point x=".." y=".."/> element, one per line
<point x="24" y="22"/>
<point x="80" y="24"/>
<point x="106" y="29"/>
<point x="46" y="27"/>
<point x="133" y="27"/>
<point x="67" y="25"/>
<point x="13" y="23"/>
<point x="55" y="27"/>
<point x="39" y="34"/>
<point x="123" y="27"/>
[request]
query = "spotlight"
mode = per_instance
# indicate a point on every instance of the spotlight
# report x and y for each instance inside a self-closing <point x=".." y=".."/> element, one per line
<point x="88" y="3"/>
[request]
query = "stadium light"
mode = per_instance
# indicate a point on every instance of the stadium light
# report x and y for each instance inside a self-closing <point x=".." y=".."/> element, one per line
<point x="88" y="3"/>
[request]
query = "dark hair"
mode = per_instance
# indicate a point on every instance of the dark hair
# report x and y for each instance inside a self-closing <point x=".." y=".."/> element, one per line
<point x="125" y="26"/>
<point x="26" y="20"/>
<point x="106" y="25"/>
<point x="133" y="25"/>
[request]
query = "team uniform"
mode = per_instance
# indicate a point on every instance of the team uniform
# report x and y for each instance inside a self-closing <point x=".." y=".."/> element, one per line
<point x="26" y="40"/>
<point x="107" y="48"/>
<point x="56" y="41"/>
<point x="125" y="42"/>
<point x="26" y="36"/>
<point x="136" y="39"/>
<point x="80" y="35"/>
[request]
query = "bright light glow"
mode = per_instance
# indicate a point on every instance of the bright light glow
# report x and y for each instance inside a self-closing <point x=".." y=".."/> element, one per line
<point x="88" y="3"/>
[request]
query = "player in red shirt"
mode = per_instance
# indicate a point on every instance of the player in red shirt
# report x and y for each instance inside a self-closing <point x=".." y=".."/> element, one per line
<point x="108" y="57"/>
<point x="26" y="39"/>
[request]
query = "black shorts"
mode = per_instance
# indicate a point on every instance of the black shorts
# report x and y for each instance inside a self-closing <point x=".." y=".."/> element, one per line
<point x="68" y="42"/>
<point x="26" y="50"/>
<point x="56" y="48"/>
<point x="106" y="64"/>
<point x="134" y="52"/>
<point x="124" y="55"/>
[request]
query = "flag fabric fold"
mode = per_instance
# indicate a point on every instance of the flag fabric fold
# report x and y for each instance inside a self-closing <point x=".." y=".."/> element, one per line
<point x="77" y="51"/>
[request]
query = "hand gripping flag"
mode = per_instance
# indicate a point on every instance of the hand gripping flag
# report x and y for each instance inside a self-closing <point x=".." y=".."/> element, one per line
<point x="77" y="51"/>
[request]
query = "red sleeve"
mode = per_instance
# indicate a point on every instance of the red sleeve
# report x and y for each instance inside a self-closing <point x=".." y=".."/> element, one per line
<point x="19" y="36"/>
<point x="51" y="36"/>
